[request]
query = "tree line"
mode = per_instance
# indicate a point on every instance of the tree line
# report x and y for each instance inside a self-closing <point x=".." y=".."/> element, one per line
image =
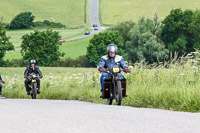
<point x="148" y="40"/>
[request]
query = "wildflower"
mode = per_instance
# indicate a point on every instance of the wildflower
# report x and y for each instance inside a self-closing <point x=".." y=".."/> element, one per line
<point x="130" y="67"/>
<point x="195" y="52"/>
<point x="194" y="67"/>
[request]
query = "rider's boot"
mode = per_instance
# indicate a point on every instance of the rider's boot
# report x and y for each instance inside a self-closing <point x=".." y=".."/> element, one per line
<point x="38" y="90"/>
<point x="27" y="89"/>
<point x="101" y="96"/>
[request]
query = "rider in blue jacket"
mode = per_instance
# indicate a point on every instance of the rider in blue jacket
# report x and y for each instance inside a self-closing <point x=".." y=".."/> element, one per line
<point x="110" y="60"/>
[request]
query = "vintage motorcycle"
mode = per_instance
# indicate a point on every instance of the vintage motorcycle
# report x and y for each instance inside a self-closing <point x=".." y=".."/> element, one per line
<point x="33" y="85"/>
<point x="115" y="87"/>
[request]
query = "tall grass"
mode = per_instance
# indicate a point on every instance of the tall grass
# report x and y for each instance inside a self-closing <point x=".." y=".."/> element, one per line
<point x="170" y="86"/>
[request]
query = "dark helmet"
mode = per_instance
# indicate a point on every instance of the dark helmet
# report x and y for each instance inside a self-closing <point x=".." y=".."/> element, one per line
<point x="112" y="48"/>
<point x="32" y="62"/>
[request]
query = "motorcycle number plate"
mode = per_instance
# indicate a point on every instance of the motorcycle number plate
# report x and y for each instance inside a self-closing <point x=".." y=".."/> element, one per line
<point x="115" y="70"/>
<point x="33" y="80"/>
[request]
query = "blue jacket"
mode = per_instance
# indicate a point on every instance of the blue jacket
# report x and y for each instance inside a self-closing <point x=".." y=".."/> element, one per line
<point x="108" y="62"/>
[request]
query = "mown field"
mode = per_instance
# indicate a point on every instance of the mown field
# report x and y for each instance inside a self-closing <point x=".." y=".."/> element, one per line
<point x="68" y="12"/>
<point x="71" y="49"/>
<point x="173" y="88"/>
<point x="114" y="11"/>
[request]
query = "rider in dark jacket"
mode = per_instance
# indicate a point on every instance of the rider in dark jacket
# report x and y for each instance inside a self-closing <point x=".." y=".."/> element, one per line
<point x="32" y="68"/>
<point x="110" y="60"/>
<point x="1" y="80"/>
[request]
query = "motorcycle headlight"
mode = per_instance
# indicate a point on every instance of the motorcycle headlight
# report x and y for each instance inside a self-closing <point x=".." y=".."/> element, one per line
<point x="115" y="70"/>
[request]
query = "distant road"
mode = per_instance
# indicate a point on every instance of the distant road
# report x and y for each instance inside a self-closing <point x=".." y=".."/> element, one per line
<point x="94" y="19"/>
<point x="61" y="116"/>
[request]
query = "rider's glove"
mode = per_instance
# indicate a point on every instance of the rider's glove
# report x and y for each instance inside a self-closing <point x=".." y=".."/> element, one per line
<point x="102" y="69"/>
<point x="127" y="70"/>
<point x="3" y="82"/>
<point x="40" y="76"/>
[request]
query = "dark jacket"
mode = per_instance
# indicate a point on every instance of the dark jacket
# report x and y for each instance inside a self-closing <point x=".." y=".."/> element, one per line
<point x="1" y="79"/>
<point x="30" y="70"/>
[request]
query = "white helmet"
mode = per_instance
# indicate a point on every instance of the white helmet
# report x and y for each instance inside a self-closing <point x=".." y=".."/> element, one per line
<point x="112" y="48"/>
<point x="32" y="62"/>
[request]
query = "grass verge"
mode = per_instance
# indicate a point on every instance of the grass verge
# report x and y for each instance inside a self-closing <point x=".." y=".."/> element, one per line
<point x="175" y="88"/>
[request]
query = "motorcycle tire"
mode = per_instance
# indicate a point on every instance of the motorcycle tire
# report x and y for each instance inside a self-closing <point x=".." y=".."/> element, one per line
<point x="34" y="90"/>
<point x="109" y="101"/>
<point x="118" y="93"/>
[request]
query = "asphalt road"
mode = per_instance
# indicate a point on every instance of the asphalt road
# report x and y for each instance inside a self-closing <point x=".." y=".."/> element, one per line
<point x="59" y="116"/>
<point x="94" y="19"/>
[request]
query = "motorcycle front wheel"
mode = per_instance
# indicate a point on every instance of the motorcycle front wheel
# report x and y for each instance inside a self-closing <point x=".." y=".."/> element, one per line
<point x="34" y="90"/>
<point x="109" y="101"/>
<point x="118" y="93"/>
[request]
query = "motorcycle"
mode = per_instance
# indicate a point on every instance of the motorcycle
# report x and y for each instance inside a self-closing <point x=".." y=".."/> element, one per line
<point x="115" y="87"/>
<point x="33" y="85"/>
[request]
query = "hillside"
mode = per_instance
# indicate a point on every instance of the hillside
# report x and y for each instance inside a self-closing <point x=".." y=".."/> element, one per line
<point x="68" y="12"/>
<point x="114" y="11"/>
<point x="72" y="49"/>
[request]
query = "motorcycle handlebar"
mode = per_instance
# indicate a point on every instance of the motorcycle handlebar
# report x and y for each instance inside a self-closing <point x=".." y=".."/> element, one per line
<point x="107" y="70"/>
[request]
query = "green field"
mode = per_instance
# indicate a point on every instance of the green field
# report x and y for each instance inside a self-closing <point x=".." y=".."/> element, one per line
<point x="175" y="88"/>
<point x="68" y="12"/>
<point x="114" y="11"/>
<point x="75" y="48"/>
<point x="65" y="33"/>
<point x="71" y="49"/>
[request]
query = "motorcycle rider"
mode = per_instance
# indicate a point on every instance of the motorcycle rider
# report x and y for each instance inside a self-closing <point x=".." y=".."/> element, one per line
<point x="1" y="80"/>
<point x="110" y="60"/>
<point x="32" y="68"/>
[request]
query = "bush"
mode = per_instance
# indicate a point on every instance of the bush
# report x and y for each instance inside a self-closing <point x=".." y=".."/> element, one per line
<point x="42" y="46"/>
<point x="48" y="24"/>
<point x="68" y="62"/>
<point x="5" y="44"/>
<point x="23" y="20"/>
<point x="98" y="46"/>
<point x="124" y="29"/>
<point x="145" y="44"/>
<point x="16" y="63"/>
<point x="81" y="61"/>
<point x="181" y="31"/>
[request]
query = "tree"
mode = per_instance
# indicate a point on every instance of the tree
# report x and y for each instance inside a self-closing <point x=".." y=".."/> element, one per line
<point x="124" y="29"/>
<point x="23" y="20"/>
<point x="181" y="31"/>
<point x="5" y="44"/>
<point x="98" y="45"/>
<point x="42" y="46"/>
<point x="145" y="44"/>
